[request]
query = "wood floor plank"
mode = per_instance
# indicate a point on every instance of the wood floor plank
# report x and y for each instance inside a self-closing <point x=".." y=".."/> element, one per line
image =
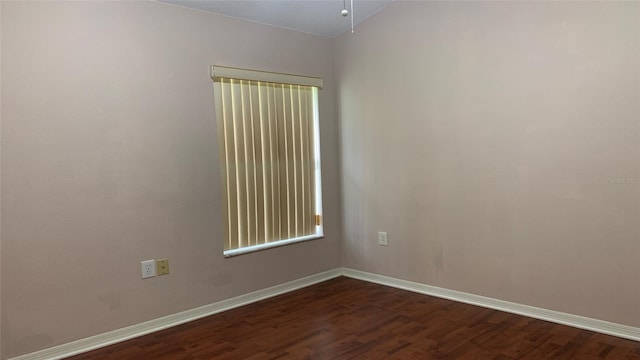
<point x="345" y="319"/>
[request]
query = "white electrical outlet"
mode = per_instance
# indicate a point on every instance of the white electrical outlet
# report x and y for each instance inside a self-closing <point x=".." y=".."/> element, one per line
<point x="382" y="238"/>
<point x="148" y="268"/>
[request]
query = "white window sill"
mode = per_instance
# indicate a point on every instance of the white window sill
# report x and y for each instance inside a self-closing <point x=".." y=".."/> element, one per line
<point x="254" y="248"/>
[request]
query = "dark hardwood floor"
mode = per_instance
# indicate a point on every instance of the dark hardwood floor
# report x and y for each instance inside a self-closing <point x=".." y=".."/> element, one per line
<point x="345" y="318"/>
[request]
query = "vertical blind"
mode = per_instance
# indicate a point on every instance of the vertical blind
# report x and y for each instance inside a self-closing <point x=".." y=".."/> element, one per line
<point x="268" y="160"/>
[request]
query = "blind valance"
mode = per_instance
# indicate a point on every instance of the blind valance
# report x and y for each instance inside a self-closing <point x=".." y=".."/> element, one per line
<point x="271" y="77"/>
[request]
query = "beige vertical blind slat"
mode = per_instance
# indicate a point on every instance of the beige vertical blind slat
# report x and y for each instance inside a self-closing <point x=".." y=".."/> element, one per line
<point x="258" y="163"/>
<point x="264" y="163"/>
<point x="276" y="221"/>
<point x="253" y="168"/>
<point x="240" y="163"/>
<point x="226" y="157"/>
<point x="296" y="158"/>
<point x="282" y="160"/>
<point x="304" y="153"/>
<point x="311" y="163"/>
<point x="300" y="191"/>
<point x="246" y="165"/>
<point x="309" y="218"/>
<point x="291" y="161"/>
<point x="232" y="172"/>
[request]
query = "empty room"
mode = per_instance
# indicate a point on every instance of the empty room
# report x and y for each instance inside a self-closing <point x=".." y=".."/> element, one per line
<point x="319" y="179"/>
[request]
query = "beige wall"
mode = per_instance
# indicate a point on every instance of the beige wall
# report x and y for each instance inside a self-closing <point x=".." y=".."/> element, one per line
<point x="109" y="157"/>
<point x="482" y="136"/>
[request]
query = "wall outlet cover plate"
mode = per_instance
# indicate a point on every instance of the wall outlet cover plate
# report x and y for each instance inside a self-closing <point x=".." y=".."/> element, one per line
<point x="148" y="268"/>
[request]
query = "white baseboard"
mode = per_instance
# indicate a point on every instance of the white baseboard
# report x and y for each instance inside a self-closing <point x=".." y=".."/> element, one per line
<point x="112" y="337"/>
<point x="605" y="327"/>
<point x="116" y="336"/>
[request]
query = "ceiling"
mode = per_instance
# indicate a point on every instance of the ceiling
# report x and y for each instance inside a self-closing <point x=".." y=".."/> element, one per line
<point x="319" y="17"/>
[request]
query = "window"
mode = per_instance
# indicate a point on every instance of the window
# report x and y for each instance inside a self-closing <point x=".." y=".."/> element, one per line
<point x="269" y="158"/>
